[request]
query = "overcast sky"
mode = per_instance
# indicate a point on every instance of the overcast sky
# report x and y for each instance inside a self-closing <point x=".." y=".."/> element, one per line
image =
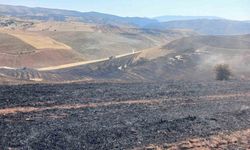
<point x="230" y="9"/>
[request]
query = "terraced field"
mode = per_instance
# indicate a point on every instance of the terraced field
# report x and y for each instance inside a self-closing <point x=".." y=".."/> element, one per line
<point x="7" y="47"/>
<point x="26" y="49"/>
<point x="167" y="115"/>
<point x="40" y="42"/>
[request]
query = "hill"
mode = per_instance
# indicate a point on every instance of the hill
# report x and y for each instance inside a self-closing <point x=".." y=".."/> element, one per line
<point x="46" y="14"/>
<point x="207" y="26"/>
<point x="24" y="49"/>
<point x="203" y="25"/>
<point x="27" y="43"/>
<point x="168" y="50"/>
<point x="30" y="49"/>
<point x="188" y="58"/>
<point x="108" y="41"/>
<point x="177" y="18"/>
<point x="195" y="57"/>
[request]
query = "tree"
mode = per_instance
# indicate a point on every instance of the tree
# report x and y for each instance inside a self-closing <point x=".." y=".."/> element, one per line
<point x="222" y="72"/>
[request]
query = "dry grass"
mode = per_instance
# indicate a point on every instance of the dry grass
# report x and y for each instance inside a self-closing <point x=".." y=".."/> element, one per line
<point x="235" y="139"/>
<point x="36" y="40"/>
<point x="62" y="26"/>
<point x="40" y="42"/>
<point x="152" y="53"/>
<point x="53" y="57"/>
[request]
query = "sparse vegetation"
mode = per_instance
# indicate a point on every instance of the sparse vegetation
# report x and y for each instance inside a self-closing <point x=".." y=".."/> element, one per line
<point x="39" y="41"/>
<point x="223" y="72"/>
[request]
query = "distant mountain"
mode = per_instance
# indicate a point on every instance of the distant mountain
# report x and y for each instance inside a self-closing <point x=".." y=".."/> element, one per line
<point x="207" y="26"/>
<point x="64" y="15"/>
<point x="177" y="18"/>
<point x="203" y="25"/>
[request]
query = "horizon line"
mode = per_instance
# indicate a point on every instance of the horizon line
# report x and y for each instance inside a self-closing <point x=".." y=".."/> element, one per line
<point x="163" y="15"/>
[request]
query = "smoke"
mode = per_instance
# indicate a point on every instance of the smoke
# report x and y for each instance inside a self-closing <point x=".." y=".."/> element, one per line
<point x="239" y="63"/>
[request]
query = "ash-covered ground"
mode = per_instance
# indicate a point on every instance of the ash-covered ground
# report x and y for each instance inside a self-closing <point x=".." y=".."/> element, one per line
<point x="122" y="115"/>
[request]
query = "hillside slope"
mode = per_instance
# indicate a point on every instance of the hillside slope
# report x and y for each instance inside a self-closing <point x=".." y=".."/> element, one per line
<point x="110" y="41"/>
<point x="195" y="58"/>
<point x="207" y="26"/>
<point x="20" y="49"/>
<point x="188" y="58"/>
<point x="70" y="41"/>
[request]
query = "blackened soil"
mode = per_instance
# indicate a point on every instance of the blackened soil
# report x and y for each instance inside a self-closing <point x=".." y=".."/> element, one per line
<point x="182" y="110"/>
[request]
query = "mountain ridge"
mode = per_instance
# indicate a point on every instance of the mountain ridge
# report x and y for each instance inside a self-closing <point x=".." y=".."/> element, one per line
<point x="167" y="18"/>
<point x="46" y="14"/>
<point x="207" y="26"/>
<point x="202" y="24"/>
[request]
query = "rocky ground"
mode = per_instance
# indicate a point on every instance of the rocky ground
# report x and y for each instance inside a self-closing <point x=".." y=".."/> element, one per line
<point x="169" y="115"/>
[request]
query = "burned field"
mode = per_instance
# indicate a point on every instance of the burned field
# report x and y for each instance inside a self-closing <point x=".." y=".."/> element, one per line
<point x="173" y="114"/>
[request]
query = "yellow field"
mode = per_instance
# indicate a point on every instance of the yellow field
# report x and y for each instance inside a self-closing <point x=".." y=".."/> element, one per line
<point x="37" y="41"/>
<point x="40" y="42"/>
<point x="62" y="26"/>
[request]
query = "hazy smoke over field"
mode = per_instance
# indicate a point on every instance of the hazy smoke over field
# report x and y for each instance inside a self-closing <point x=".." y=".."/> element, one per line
<point x="238" y="63"/>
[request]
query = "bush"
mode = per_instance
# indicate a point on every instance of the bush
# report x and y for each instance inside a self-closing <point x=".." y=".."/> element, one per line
<point x="223" y="72"/>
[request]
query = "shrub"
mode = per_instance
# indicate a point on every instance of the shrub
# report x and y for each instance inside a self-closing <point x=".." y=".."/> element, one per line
<point x="223" y="72"/>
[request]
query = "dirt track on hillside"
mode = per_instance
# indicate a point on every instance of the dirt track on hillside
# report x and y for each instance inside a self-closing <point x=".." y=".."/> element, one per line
<point x="83" y="63"/>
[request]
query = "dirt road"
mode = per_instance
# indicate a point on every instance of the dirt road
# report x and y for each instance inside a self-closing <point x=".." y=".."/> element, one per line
<point x="83" y="62"/>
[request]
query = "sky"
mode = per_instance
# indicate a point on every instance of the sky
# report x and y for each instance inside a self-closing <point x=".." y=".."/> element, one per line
<point x="230" y="9"/>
